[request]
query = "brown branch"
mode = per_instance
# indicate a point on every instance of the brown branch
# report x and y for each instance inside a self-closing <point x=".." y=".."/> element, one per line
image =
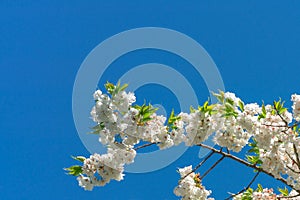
<point x="246" y="188"/>
<point x="253" y="166"/>
<point x="283" y="126"/>
<point x="144" y="145"/>
<point x="297" y="162"/>
<point x="276" y="126"/>
<point x="290" y="157"/>
<point x="294" y="125"/>
<point x="277" y="111"/>
<point x="213" y="166"/>
<point x="292" y="170"/>
<point x="297" y="156"/>
<point x="199" y="165"/>
<point x="289" y="197"/>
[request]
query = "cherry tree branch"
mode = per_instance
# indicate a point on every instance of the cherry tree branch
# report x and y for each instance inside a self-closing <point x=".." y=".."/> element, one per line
<point x="213" y="166"/>
<point x="199" y="165"/>
<point x="278" y="113"/>
<point x="246" y="188"/>
<point x="289" y="197"/>
<point x="297" y="156"/>
<point x="253" y="166"/>
<point x="145" y="145"/>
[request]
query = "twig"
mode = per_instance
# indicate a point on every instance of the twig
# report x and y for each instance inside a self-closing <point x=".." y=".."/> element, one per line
<point x="294" y="125"/>
<point x="199" y="165"/>
<point x="290" y="157"/>
<point x="246" y="188"/>
<point x="213" y="166"/>
<point x="144" y="145"/>
<point x="288" y="197"/>
<point x="253" y="166"/>
<point x="297" y="156"/>
<point x="292" y="170"/>
<point x="283" y="126"/>
<point x="277" y="111"/>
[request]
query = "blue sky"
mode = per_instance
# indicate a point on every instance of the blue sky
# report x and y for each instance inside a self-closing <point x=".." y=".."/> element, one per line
<point x="42" y="45"/>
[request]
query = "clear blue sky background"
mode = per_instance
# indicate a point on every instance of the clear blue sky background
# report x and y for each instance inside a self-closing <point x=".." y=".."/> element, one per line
<point x="42" y="45"/>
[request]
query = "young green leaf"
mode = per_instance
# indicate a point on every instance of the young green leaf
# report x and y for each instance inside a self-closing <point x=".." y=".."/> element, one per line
<point x="241" y="105"/>
<point x="284" y="192"/>
<point x="79" y="158"/>
<point x="259" y="188"/>
<point x="75" y="170"/>
<point x="192" y="109"/>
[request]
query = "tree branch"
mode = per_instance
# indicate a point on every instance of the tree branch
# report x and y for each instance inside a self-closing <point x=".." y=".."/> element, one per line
<point x="253" y="166"/>
<point x="289" y="197"/>
<point x="213" y="166"/>
<point x="297" y="156"/>
<point x="246" y="188"/>
<point x="277" y="111"/>
<point x="199" y="165"/>
<point x="144" y="145"/>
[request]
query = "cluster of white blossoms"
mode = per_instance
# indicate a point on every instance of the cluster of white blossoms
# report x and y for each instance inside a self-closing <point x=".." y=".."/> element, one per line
<point x="296" y="106"/>
<point x="97" y="170"/>
<point x="233" y="125"/>
<point x="121" y="126"/>
<point x="293" y="195"/>
<point x="190" y="187"/>
<point x="266" y="194"/>
<point x="198" y="126"/>
<point x="276" y="141"/>
<point x="116" y="116"/>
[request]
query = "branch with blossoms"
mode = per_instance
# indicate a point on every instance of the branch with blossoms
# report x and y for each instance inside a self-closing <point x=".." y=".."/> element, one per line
<point x="270" y="132"/>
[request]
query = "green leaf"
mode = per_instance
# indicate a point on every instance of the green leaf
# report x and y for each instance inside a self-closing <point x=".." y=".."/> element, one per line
<point x="145" y="119"/>
<point x="259" y="188"/>
<point x="96" y="129"/>
<point x="110" y="87"/>
<point x="253" y="159"/>
<point x="254" y="150"/>
<point x="205" y="105"/>
<point x="79" y="158"/>
<point x="263" y="109"/>
<point x="229" y="113"/>
<point x="253" y="147"/>
<point x="230" y="101"/>
<point x="276" y="104"/>
<point x="282" y="110"/>
<point x="75" y="170"/>
<point x="247" y="195"/>
<point x="192" y="109"/>
<point x="220" y="96"/>
<point x="115" y="89"/>
<point x="172" y="118"/>
<point x="241" y="105"/>
<point x="284" y="192"/>
<point x="123" y="87"/>
<point x="229" y="106"/>
<point x="206" y="108"/>
<point x="263" y="113"/>
<point x="145" y="112"/>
